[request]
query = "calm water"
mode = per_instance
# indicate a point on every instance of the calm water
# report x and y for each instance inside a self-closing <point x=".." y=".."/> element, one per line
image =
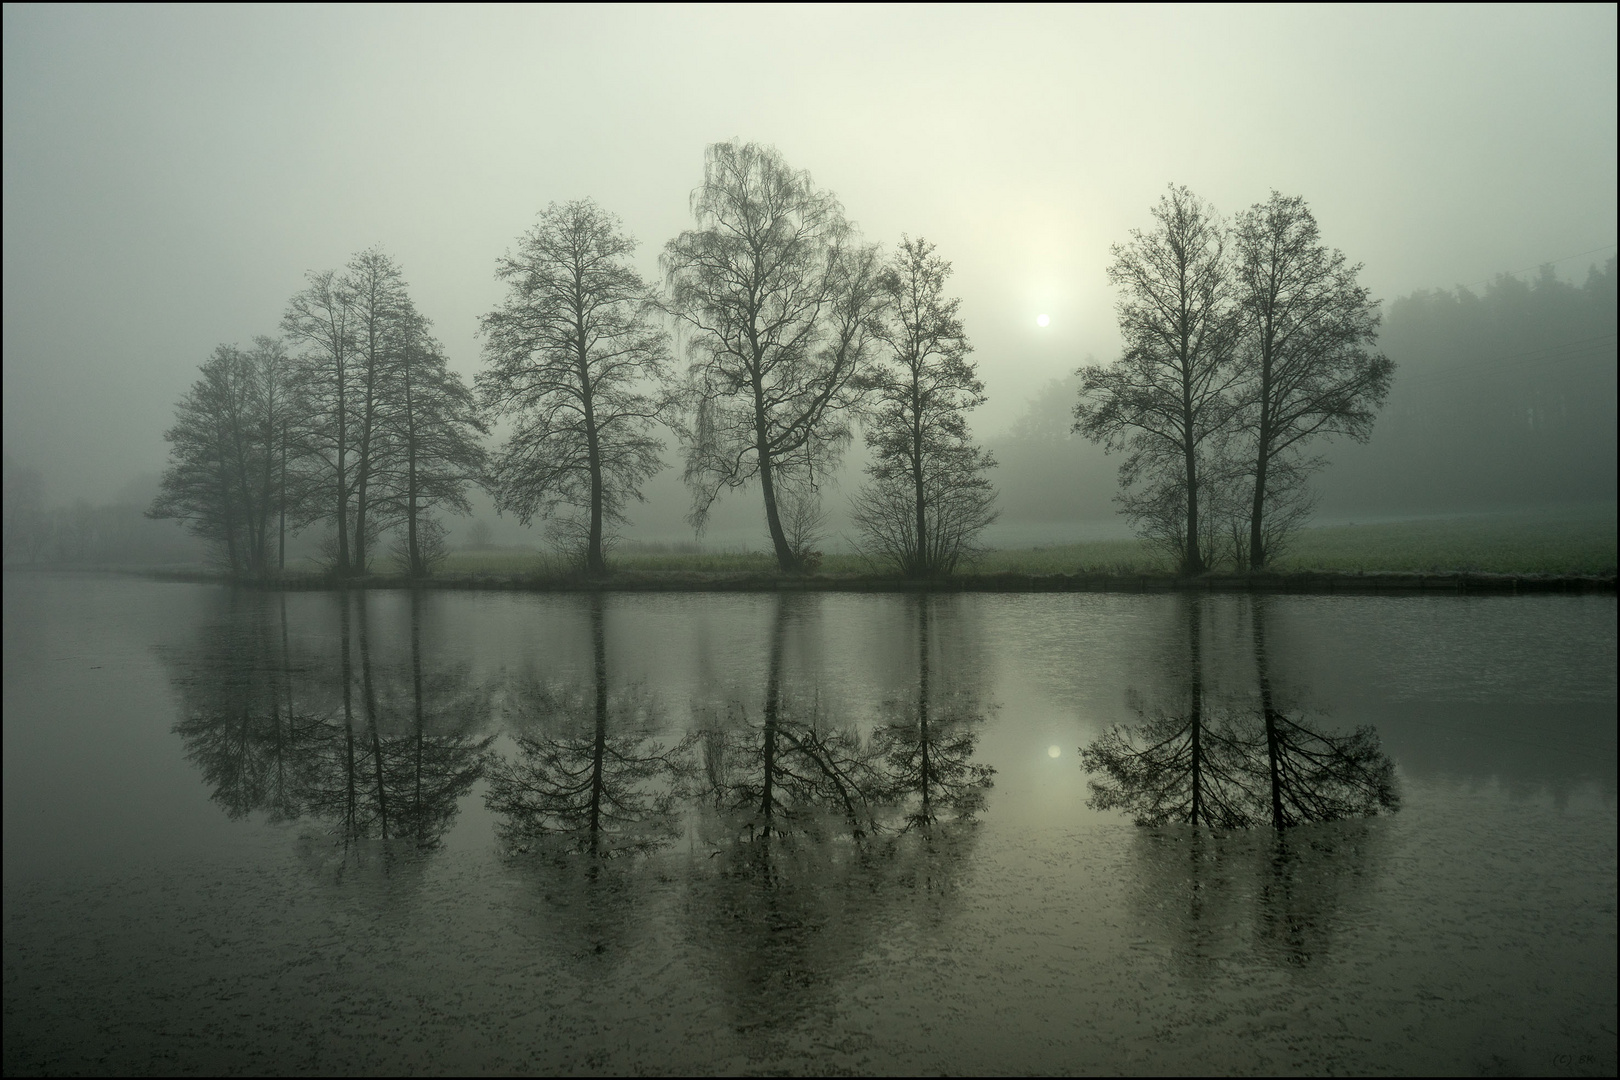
<point x="495" y="832"/>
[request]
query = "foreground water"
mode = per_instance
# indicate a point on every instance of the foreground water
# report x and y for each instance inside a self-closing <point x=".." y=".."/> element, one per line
<point x="459" y="832"/>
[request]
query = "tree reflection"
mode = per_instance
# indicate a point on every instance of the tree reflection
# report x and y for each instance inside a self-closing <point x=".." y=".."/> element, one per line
<point x="927" y="745"/>
<point x="1236" y="768"/>
<point x="794" y="767"/>
<point x="282" y="732"/>
<point x="591" y="773"/>
<point x="240" y="726"/>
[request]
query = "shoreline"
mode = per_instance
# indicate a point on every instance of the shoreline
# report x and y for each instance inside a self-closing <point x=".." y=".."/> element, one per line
<point x="1293" y="582"/>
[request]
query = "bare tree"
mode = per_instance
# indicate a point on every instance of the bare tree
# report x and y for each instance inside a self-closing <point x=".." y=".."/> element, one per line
<point x="220" y="478"/>
<point x="928" y="497"/>
<point x="1307" y="358"/>
<point x="383" y="320"/>
<point x="572" y="354"/>
<point x="777" y="296"/>
<point x="435" y="423"/>
<point x="321" y="319"/>
<point x="1168" y="397"/>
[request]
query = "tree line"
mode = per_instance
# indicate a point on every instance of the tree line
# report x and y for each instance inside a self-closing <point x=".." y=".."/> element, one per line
<point x="1242" y="346"/>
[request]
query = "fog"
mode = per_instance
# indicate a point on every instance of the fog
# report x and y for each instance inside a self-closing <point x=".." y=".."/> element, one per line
<point x="171" y="174"/>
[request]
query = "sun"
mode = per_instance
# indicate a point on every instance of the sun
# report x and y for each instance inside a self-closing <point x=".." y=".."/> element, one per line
<point x="1054" y="751"/>
<point x="1043" y="320"/>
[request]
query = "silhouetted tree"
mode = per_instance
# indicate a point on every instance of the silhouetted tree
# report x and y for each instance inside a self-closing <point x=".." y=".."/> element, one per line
<point x="590" y="769"/>
<point x="321" y="319"/>
<point x="385" y="324"/>
<point x="575" y="358"/>
<point x="1167" y="399"/>
<point x="1306" y="353"/>
<point x="228" y="451"/>
<point x="435" y="424"/>
<point x="778" y="297"/>
<point x="928" y="498"/>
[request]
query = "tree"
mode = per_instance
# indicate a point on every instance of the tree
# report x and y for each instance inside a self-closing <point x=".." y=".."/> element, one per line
<point x="435" y="424"/>
<point x="778" y="298"/>
<point x="321" y="319"/>
<point x="220" y="481"/>
<point x="383" y="321"/>
<point x="570" y="353"/>
<point x="1308" y="331"/>
<point x="928" y="497"/>
<point x="1167" y="398"/>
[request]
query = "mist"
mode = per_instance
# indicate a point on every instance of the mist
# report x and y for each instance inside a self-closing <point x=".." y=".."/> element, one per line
<point x="171" y="175"/>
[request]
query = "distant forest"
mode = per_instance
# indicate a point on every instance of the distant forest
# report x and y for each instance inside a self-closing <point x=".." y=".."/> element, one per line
<point x="1505" y="399"/>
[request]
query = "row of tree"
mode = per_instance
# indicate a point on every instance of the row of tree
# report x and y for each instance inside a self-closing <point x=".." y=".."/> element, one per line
<point x="366" y="429"/>
<point x="795" y="331"/>
<point x="1244" y="343"/>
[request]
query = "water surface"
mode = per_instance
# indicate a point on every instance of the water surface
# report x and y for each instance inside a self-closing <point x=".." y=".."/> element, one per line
<point x="250" y="832"/>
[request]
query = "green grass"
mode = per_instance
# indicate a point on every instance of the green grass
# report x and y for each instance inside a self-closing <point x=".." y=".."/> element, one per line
<point x="1579" y="540"/>
<point x="1574" y="541"/>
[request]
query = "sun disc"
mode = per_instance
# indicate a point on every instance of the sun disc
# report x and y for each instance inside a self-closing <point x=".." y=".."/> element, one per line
<point x="1053" y="751"/>
<point x="1043" y="320"/>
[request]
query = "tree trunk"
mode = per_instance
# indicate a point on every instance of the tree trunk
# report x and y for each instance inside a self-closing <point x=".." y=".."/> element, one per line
<point x="281" y="502"/>
<point x="923" y="564"/>
<point x="342" y="480"/>
<point x="1257" y="512"/>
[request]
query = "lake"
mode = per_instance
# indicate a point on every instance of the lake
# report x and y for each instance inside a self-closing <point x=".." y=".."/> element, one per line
<point x="252" y="832"/>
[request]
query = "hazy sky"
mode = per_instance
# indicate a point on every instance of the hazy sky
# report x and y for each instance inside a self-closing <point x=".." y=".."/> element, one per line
<point x="171" y="173"/>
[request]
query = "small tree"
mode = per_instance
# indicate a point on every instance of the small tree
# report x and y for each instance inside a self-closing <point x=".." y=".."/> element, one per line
<point x="778" y="298"/>
<point x="571" y="353"/>
<point x="1168" y="398"/>
<point x="219" y="481"/>
<point x="1306" y="356"/>
<point x="928" y="497"/>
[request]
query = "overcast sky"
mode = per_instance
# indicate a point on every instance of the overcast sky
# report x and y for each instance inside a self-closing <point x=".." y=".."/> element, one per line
<point x="171" y="173"/>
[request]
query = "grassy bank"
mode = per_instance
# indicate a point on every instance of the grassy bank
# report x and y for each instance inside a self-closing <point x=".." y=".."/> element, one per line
<point x="1580" y="541"/>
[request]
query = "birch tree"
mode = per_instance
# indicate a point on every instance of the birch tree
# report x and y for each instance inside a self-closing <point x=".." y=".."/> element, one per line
<point x="775" y="296"/>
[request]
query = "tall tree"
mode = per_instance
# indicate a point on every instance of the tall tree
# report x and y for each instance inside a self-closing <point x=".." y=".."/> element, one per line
<point x="1168" y="397"/>
<point x="280" y="429"/>
<point x="382" y="317"/>
<point x="777" y="296"/>
<point x="1306" y="350"/>
<point x="321" y="319"/>
<point x="928" y="497"/>
<point x="435" y="423"/>
<point x="572" y="354"/>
